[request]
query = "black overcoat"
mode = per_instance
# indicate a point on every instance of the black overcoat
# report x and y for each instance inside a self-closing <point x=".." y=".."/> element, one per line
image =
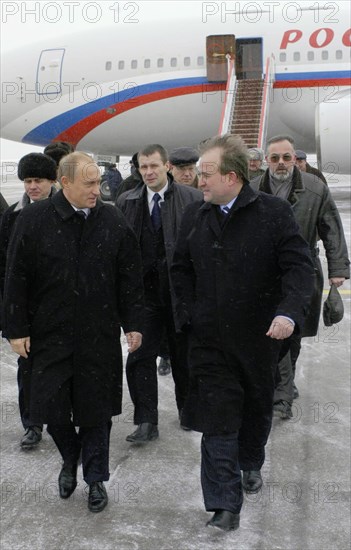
<point x="318" y="218"/>
<point x="230" y="283"/>
<point x="70" y="285"/>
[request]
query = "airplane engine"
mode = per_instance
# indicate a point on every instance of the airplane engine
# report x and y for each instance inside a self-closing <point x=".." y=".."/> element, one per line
<point x="333" y="147"/>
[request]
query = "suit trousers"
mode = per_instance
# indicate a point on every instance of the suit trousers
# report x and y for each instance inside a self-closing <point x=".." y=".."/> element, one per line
<point x="23" y="376"/>
<point x="220" y="472"/>
<point x="92" y="442"/>
<point x="141" y="366"/>
<point x="286" y="369"/>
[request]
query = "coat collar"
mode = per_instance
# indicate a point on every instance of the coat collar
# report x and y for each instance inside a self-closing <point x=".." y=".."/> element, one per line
<point x="65" y="210"/>
<point x="246" y="196"/>
<point x="25" y="200"/>
<point x="297" y="185"/>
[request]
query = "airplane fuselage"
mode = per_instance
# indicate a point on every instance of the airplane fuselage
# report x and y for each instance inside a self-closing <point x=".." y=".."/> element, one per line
<point x="112" y="92"/>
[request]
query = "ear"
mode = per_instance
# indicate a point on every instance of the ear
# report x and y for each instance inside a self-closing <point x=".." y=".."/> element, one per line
<point x="232" y="178"/>
<point x="64" y="181"/>
<point x="168" y="166"/>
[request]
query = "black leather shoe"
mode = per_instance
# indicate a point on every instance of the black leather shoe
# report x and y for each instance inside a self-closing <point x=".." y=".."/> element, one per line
<point x="164" y="367"/>
<point x="225" y="520"/>
<point x="282" y="409"/>
<point x="295" y="391"/>
<point x="31" y="437"/>
<point x="252" y="481"/>
<point x="145" y="432"/>
<point x="97" y="499"/>
<point x="67" y="480"/>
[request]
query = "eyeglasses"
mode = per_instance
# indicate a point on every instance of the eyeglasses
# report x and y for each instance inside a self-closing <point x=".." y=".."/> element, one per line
<point x="275" y="157"/>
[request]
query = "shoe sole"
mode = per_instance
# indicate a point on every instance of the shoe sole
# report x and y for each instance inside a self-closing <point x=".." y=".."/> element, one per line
<point x="66" y="496"/>
<point x="31" y="446"/>
<point x="281" y="414"/>
<point x="151" y="438"/>
<point x="97" y="510"/>
<point x="226" y="529"/>
<point x="251" y="491"/>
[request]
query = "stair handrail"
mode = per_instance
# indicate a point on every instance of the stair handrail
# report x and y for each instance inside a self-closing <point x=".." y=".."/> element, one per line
<point x="267" y="87"/>
<point x="229" y="102"/>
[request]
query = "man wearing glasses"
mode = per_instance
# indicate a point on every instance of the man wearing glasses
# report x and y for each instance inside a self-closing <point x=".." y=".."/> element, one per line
<point x="318" y="218"/>
<point x="241" y="273"/>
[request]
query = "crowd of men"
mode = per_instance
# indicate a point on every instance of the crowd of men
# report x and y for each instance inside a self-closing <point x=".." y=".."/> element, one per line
<point x="213" y="266"/>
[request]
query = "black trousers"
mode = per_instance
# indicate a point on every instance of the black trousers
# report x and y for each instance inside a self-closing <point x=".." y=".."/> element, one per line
<point x="286" y="369"/>
<point x="220" y="472"/>
<point x="92" y="442"/>
<point x="141" y="366"/>
<point x="23" y="377"/>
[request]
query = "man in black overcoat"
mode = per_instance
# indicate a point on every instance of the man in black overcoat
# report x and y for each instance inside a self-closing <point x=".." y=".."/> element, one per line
<point x="243" y="278"/>
<point x="154" y="211"/>
<point x="73" y="278"/>
<point x="38" y="173"/>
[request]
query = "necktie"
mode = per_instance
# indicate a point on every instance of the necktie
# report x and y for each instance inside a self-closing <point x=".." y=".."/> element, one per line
<point x="156" y="213"/>
<point x="223" y="213"/>
<point x="81" y="214"/>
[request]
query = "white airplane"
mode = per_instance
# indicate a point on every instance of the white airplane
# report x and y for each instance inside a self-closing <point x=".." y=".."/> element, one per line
<point x="113" y="89"/>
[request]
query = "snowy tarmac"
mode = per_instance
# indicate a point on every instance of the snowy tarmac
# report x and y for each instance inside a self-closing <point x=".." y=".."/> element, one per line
<point x="155" y="499"/>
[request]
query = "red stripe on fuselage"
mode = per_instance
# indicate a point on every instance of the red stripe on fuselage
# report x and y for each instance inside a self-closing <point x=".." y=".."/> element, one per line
<point x="75" y="133"/>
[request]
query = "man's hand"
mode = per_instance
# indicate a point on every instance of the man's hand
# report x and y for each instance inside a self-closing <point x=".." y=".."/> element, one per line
<point x="337" y="281"/>
<point x="280" y="328"/>
<point x="134" y="341"/>
<point x="21" y="346"/>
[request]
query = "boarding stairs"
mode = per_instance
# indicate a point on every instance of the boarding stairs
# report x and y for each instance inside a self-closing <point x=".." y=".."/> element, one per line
<point x="246" y="107"/>
<point x="247" y="111"/>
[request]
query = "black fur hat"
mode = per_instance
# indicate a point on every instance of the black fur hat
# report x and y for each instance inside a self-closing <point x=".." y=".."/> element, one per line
<point x="36" y="165"/>
<point x="57" y="150"/>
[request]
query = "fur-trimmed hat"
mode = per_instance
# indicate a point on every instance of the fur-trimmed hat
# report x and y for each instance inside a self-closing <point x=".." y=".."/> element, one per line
<point x="36" y="165"/>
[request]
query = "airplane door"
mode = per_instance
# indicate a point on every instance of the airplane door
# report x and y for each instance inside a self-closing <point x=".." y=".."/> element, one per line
<point x="49" y="72"/>
<point x="218" y="46"/>
<point x="248" y="62"/>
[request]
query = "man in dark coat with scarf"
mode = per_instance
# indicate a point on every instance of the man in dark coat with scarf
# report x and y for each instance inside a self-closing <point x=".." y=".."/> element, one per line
<point x="38" y="173"/>
<point x="154" y="210"/>
<point x="318" y="218"/>
<point x="73" y="278"/>
<point x="243" y="277"/>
